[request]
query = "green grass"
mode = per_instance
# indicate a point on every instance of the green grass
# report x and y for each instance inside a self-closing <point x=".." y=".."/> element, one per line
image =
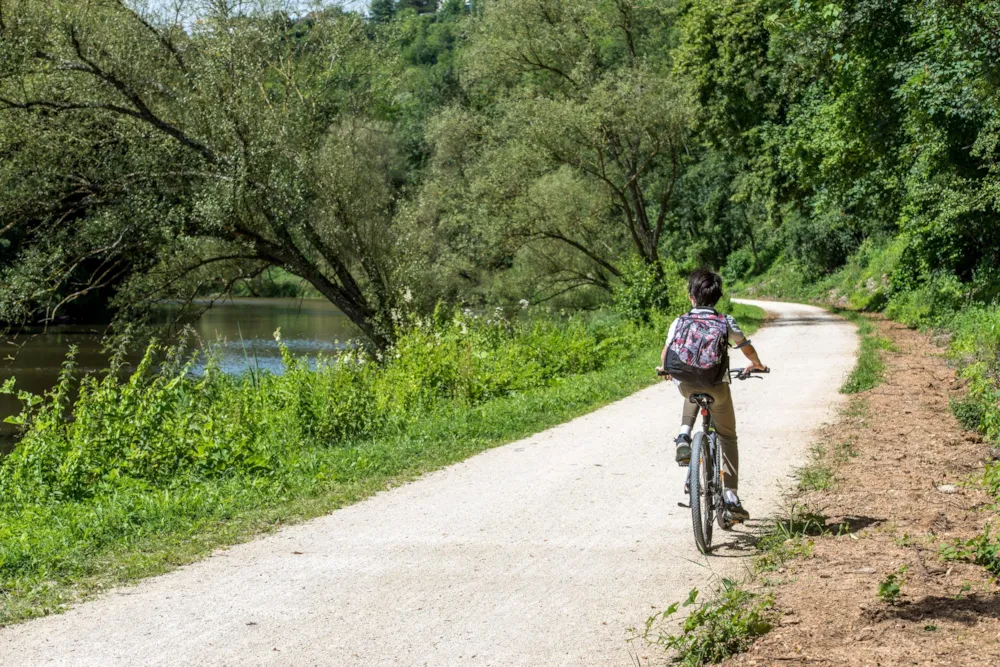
<point x="817" y="474"/>
<point x="64" y="540"/>
<point x="869" y="371"/>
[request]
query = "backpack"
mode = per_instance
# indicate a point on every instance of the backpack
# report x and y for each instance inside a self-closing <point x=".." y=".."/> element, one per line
<point x="699" y="352"/>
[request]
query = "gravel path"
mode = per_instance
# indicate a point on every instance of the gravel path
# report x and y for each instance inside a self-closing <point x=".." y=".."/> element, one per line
<point x="541" y="552"/>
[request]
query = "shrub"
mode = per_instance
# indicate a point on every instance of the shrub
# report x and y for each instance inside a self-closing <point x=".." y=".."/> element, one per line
<point x="983" y="549"/>
<point x="739" y="265"/>
<point x="715" y="630"/>
<point x="821" y="242"/>
<point x="891" y="587"/>
<point x="163" y="427"/>
<point x="975" y="347"/>
<point x="642" y="291"/>
<point x="930" y="304"/>
<point x="969" y="412"/>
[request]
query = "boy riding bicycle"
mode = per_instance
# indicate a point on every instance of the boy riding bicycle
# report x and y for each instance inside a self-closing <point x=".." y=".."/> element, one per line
<point x="695" y="357"/>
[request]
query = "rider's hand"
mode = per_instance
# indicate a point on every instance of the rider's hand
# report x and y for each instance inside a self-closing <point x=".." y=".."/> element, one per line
<point x="666" y="378"/>
<point x="753" y="367"/>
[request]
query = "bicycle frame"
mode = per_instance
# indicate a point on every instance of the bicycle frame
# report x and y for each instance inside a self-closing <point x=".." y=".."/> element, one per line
<point x="717" y="482"/>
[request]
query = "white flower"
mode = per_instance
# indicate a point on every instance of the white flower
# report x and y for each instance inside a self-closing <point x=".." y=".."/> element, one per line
<point x="407" y="296"/>
<point x="524" y="304"/>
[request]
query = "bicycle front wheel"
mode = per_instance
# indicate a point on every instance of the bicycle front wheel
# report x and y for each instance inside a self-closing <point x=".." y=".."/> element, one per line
<point x="700" y="474"/>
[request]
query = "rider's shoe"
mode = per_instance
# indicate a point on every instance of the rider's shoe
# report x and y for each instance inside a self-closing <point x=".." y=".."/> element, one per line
<point x="734" y="507"/>
<point x="683" y="456"/>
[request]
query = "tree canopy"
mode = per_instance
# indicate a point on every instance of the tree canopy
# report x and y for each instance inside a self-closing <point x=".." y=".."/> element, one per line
<point x="548" y="150"/>
<point x="172" y="153"/>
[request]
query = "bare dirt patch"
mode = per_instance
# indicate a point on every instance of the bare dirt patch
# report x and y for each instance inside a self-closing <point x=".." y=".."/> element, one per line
<point x="902" y="485"/>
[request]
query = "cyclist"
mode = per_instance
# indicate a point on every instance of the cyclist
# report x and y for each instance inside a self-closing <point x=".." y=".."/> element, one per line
<point x="696" y="356"/>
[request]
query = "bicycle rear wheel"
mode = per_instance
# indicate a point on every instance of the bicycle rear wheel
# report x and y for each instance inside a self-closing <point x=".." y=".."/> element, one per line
<point x="700" y="474"/>
<point x="721" y="513"/>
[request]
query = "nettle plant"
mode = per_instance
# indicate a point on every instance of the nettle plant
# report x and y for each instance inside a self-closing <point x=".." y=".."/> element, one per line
<point x="163" y="425"/>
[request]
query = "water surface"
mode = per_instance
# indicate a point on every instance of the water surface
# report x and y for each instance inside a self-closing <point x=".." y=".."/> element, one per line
<point x="242" y="329"/>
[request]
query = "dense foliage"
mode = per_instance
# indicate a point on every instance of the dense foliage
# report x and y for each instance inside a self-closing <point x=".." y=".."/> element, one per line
<point x="492" y="152"/>
<point x="161" y="427"/>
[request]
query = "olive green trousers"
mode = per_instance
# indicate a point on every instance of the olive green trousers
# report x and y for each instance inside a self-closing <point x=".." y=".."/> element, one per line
<point x="725" y="425"/>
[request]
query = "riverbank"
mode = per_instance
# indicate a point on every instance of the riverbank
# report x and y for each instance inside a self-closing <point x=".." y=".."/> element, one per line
<point x="240" y="331"/>
<point x="158" y="471"/>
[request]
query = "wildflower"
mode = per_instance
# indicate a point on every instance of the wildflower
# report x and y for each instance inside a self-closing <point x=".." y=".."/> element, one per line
<point x="407" y="296"/>
<point x="524" y="304"/>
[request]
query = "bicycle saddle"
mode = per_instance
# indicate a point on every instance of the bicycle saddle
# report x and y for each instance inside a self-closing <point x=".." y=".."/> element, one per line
<point x="701" y="399"/>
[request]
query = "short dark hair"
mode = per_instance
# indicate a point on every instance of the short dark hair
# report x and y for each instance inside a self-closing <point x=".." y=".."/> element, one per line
<point x="706" y="287"/>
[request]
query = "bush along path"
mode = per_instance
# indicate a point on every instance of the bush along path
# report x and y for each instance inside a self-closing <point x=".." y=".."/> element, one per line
<point x="888" y="553"/>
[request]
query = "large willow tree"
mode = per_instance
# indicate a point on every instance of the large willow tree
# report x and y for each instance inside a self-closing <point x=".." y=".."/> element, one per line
<point x="152" y="151"/>
<point x="573" y="142"/>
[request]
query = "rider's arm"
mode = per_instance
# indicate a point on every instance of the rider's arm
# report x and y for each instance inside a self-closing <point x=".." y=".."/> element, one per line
<point x="738" y="340"/>
<point x="663" y="355"/>
<point x="750" y="352"/>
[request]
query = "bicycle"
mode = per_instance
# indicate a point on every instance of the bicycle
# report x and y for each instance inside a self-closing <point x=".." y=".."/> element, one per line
<point x="705" y="484"/>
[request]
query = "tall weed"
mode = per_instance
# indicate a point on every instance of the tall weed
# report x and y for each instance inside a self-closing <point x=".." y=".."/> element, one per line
<point x="161" y="426"/>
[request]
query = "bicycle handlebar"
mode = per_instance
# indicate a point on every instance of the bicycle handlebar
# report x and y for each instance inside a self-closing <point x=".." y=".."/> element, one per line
<point x="738" y="374"/>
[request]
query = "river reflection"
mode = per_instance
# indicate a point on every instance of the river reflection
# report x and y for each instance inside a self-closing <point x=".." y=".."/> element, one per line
<point x="242" y="329"/>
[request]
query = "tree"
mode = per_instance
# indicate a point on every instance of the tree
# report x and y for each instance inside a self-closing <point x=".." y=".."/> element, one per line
<point x="382" y="11"/>
<point x="419" y="6"/>
<point x="158" y="152"/>
<point x="580" y="135"/>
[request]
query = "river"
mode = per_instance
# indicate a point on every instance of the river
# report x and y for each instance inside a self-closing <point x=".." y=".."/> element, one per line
<point x="242" y="328"/>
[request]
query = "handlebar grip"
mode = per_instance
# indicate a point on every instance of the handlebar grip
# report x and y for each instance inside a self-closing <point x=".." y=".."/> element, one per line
<point x="741" y="375"/>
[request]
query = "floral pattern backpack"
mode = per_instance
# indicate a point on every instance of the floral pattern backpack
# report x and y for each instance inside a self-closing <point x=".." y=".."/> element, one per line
<point x="699" y="351"/>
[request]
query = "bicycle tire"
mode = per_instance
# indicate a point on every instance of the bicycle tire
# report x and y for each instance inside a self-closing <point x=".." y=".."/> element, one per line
<point x="701" y="493"/>
<point x="721" y="514"/>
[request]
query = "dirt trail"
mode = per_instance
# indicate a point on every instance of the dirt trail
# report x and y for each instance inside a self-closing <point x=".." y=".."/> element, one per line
<point x="899" y="491"/>
<point x="542" y="552"/>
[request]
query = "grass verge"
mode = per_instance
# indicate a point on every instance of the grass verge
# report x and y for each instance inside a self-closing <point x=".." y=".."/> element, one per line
<point x="82" y="548"/>
<point x="869" y="371"/>
<point x="61" y="551"/>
